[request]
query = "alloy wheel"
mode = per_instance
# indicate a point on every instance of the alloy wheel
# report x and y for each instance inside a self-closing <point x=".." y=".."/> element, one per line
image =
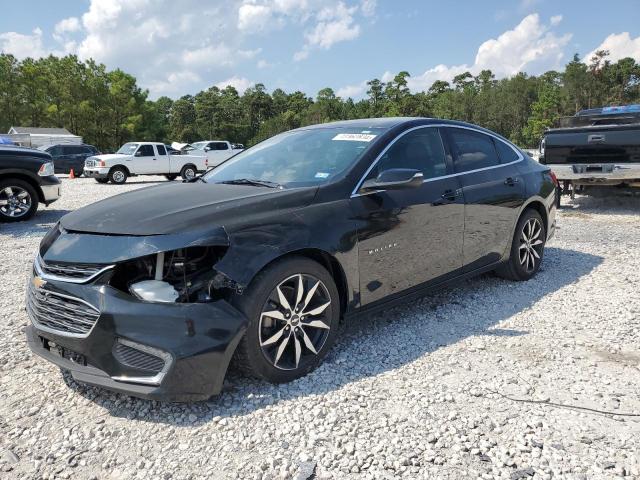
<point x="531" y="244"/>
<point x="189" y="173"/>
<point x="294" y="323"/>
<point x="118" y="176"/>
<point x="15" y="201"/>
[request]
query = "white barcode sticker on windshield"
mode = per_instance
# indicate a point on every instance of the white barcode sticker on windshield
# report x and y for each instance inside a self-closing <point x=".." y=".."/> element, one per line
<point x="354" y="137"/>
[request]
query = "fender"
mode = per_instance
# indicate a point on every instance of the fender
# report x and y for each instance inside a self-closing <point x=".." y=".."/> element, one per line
<point x="318" y="227"/>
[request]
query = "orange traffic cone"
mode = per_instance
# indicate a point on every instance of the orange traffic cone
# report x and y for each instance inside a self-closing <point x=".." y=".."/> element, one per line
<point x="71" y="175"/>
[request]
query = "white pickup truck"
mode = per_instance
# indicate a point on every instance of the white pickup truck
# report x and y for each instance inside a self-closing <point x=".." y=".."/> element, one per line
<point x="143" y="158"/>
<point x="215" y="151"/>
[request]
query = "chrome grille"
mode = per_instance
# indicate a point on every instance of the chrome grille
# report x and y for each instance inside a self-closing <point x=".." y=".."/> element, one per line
<point x="90" y="163"/>
<point x="60" y="313"/>
<point x="70" y="272"/>
<point x="132" y="357"/>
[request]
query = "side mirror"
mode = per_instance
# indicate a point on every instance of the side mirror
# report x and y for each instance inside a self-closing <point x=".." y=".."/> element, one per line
<point x="137" y="154"/>
<point x="394" y="179"/>
<point x="206" y="149"/>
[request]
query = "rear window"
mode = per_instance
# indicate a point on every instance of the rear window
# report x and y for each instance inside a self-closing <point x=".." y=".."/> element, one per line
<point x="472" y="150"/>
<point x="505" y="152"/>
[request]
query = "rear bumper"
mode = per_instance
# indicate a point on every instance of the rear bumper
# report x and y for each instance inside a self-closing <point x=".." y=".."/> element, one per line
<point x="196" y="341"/>
<point x="598" y="173"/>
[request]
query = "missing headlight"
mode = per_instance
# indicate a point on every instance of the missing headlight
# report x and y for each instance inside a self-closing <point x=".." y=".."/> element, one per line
<point x="188" y="272"/>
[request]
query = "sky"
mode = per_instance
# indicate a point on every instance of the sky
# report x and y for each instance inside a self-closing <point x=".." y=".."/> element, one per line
<point x="179" y="47"/>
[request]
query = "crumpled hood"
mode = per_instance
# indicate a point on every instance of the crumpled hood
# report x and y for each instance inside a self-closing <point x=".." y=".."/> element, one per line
<point x="179" y="207"/>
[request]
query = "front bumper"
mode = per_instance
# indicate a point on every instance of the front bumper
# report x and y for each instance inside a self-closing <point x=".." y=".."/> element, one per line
<point x="607" y="173"/>
<point x="93" y="172"/>
<point x="198" y="340"/>
<point x="51" y="189"/>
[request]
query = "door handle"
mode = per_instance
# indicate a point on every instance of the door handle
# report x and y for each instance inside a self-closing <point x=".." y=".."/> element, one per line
<point x="449" y="196"/>
<point x="154" y="159"/>
<point x="511" y="181"/>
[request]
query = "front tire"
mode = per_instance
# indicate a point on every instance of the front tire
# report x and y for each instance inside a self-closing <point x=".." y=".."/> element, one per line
<point x="102" y="180"/>
<point x="118" y="175"/>
<point x="527" y="248"/>
<point x="18" y="201"/>
<point x="293" y="309"/>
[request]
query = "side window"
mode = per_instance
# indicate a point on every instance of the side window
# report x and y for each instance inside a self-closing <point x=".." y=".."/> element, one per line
<point x="421" y="149"/>
<point x="146" y="151"/>
<point x="68" y="150"/>
<point x="55" y="151"/>
<point x="505" y="152"/>
<point x="222" y="146"/>
<point x="161" y="150"/>
<point x="472" y="150"/>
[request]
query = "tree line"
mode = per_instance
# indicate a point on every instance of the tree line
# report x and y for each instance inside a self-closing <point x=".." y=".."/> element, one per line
<point x="108" y="108"/>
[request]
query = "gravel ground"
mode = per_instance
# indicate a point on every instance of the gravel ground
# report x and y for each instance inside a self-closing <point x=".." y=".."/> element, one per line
<point x="466" y="383"/>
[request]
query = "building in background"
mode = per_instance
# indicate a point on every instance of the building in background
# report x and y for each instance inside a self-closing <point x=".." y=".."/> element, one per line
<point x="37" y="137"/>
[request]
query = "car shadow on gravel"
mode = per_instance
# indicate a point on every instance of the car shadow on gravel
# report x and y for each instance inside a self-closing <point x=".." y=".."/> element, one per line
<point x="35" y="227"/>
<point x="604" y="201"/>
<point x="373" y="345"/>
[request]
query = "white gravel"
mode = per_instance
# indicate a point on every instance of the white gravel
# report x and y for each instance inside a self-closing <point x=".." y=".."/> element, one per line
<point x="420" y="391"/>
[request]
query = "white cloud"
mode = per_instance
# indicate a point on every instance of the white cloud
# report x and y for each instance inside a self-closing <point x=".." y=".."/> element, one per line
<point x="263" y="64"/>
<point x="23" y="46"/>
<point x="254" y="17"/>
<point x="352" y="91"/>
<point x="555" y="20"/>
<point x="239" y="83"/>
<point x="368" y="7"/>
<point x="334" y="25"/>
<point x="67" y="25"/>
<point x="529" y="47"/>
<point x="619" y="45"/>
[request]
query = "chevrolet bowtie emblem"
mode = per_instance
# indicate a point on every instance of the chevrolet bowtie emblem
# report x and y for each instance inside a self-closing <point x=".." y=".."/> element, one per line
<point x="38" y="282"/>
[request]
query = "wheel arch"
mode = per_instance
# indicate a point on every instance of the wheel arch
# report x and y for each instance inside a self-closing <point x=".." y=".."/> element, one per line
<point x="328" y="261"/>
<point x="25" y="178"/>
<point x="124" y="167"/>
<point x="538" y="206"/>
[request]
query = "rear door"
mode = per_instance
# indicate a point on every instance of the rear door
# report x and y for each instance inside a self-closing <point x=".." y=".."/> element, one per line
<point x="59" y="163"/>
<point x="162" y="162"/>
<point x="493" y="192"/>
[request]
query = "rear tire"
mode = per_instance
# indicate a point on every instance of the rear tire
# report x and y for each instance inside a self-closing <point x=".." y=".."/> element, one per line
<point x="171" y="177"/>
<point x="18" y="201"/>
<point x="118" y="175"/>
<point x="188" y="172"/>
<point x="527" y="248"/>
<point x="303" y="326"/>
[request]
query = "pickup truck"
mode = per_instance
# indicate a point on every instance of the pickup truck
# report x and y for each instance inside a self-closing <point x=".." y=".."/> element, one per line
<point x="142" y="158"/>
<point x="215" y="151"/>
<point x="595" y="147"/>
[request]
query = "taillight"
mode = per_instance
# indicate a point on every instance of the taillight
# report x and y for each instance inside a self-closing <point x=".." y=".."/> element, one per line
<point x="554" y="178"/>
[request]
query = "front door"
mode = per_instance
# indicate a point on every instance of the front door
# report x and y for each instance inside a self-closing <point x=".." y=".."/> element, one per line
<point x="144" y="160"/>
<point x="411" y="236"/>
<point x="493" y="191"/>
<point x="162" y="162"/>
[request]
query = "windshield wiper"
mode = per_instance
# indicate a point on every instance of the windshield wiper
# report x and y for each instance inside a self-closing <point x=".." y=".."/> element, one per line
<point x="252" y="181"/>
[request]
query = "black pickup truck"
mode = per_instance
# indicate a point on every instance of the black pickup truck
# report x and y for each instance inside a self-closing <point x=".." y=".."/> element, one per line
<point x="595" y="147"/>
<point x="26" y="179"/>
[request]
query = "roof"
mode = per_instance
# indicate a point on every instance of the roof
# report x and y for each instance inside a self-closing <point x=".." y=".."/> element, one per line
<point x="21" y="152"/>
<point x="42" y="131"/>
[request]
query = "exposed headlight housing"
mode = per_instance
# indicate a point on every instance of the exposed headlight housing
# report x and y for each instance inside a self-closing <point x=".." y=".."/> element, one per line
<point x="46" y="169"/>
<point x="154" y="291"/>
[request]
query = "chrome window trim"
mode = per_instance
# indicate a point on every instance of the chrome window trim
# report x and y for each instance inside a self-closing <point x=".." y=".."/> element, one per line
<point x="155" y="379"/>
<point x="61" y="333"/>
<point x="355" y="193"/>
<point x="47" y="276"/>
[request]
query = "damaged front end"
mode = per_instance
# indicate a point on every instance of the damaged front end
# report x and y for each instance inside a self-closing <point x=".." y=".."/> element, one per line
<point x="145" y="315"/>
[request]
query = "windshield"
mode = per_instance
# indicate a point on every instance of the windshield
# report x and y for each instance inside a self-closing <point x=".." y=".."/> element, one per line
<point x="299" y="158"/>
<point x="128" y="148"/>
<point x="199" y="145"/>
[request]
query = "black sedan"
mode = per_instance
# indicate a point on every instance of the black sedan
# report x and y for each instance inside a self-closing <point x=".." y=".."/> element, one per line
<point x="154" y="292"/>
